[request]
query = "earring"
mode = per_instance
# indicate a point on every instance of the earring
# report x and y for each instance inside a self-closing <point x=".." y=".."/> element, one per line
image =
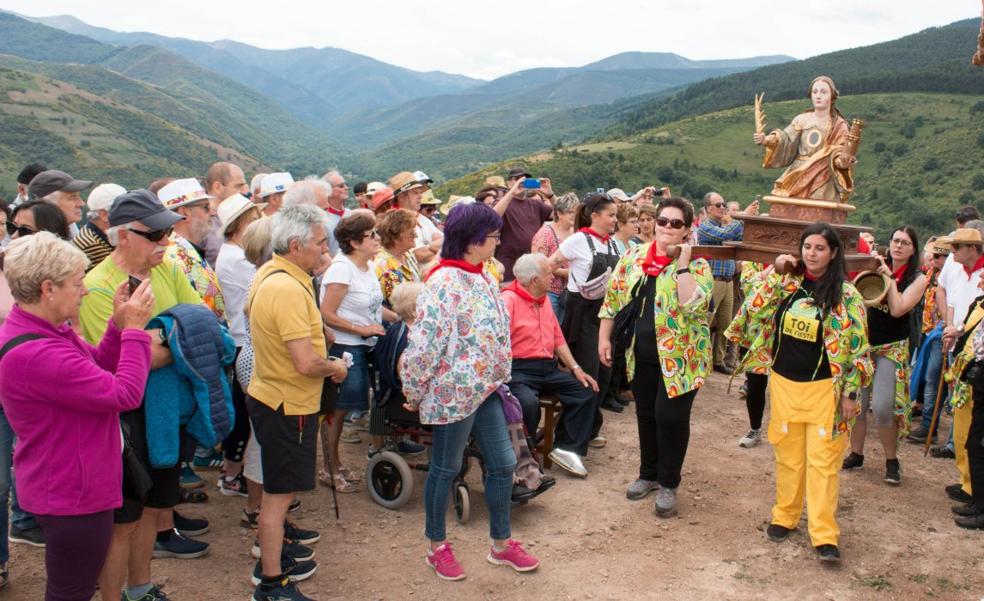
<point x="51" y="298"/>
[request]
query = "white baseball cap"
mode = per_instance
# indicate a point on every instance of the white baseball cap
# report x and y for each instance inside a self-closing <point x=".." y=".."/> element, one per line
<point x="103" y="195"/>
<point x="274" y="183"/>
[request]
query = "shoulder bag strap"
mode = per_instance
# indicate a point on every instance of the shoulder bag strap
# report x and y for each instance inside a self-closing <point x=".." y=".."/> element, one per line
<point x="17" y="341"/>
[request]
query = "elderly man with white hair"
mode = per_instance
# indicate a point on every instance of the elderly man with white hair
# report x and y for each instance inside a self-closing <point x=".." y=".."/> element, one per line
<point x="537" y="344"/>
<point x="92" y="239"/>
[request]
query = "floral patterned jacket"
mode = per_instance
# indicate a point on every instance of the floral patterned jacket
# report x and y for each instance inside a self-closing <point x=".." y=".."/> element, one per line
<point x="844" y="335"/>
<point x="682" y="333"/>
<point x="458" y="350"/>
<point x="200" y="274"/>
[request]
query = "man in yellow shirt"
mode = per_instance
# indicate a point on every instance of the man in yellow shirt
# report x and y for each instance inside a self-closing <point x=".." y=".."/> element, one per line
<point x="284" y="395"/>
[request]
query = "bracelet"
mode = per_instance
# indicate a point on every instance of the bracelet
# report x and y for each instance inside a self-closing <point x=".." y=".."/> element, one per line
<point x="576" y="367"/>
<point x="682" y="271"/>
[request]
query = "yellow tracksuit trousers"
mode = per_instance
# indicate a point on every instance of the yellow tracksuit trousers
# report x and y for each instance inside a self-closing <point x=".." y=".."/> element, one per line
<point x="961" y="428"/>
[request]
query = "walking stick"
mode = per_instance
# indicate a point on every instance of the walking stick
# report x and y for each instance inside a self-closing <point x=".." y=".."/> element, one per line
<point x="936" y="407"/>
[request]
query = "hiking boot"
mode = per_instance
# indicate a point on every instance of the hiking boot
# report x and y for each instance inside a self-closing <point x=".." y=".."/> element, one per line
<point x="232" y="487"/>
<point x="954" y="491"/>
<point x="666" y="501"/>
<point x="640" y="489"/>
<point x="210" y="461"/>
<point x="281" y="591"/>
<point x="300" y="535"/>
<point x="445" y="564"/>
<point x="172" y="544"/>
<point x="568" y="461"/>
<point x="777" y="533"/>
<point x="853" y="461"/>
<point x="190" y="526"/>
<point x="753" y="438"/>
<point x="893" y="471"/>
<point x="189" y="479"/>
<point x="944" y="452"/>
<point x="513" y="556"/>
<point x="295" y="551"/>
<point x="828" y="553"/>
<point x="28" y="536"/>
<point x="295" y="571"/>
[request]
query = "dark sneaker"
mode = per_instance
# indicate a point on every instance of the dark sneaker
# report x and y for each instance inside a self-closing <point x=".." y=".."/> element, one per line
<point x="777" y="533"/>
<point x="970" y="522"/>
<point x="300" y="535"/>
<point x="156" y="593"/>
<point x="233" y="487"/>
<point x="190" y="526"/>
<point x="853" y="462"/>
<point x="27" y="536"/>
<point x="828" y="553"/>
<point x="966" y="510"/>
<point x="612" y="405"/>
<point x="893" y="471"/>
<point x="173" y="545"/>
<point x="211" y="461"/>
<point x="4" y="575"/>
<point x="954" y="491"/>
<point x="250" y="519"/>
<point x="296" y="571"/>
<point x="942" y="453"/>
<point x="408" y="447"/>
<point x="918" y="436"/>
<point x="295" y="551"/>
<point x="294" y="506"/>
<point x="189" y="479"/>
<point x="282" y="591"/>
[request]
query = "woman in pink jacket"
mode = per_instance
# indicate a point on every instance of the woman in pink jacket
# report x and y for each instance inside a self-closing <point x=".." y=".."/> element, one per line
<point x="63" y="398"/>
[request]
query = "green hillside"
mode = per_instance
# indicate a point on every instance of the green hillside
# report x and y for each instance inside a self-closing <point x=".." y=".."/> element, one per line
<point x="919" y="158"/>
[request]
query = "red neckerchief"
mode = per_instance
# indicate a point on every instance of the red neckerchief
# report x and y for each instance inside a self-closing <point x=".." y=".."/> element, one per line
<point x="809" y="276"/>
<point x="899" y="273"/>
<point x="654" y="264"/>
<point x="591" y="232"/>
<point x="457" y="263"/>
<point x="334" y="211"/>
<point x="970" y="270"/>
<point x="523" y="293"/>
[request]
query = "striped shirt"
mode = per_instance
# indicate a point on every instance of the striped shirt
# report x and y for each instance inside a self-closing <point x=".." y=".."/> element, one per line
<point x="93" y="242"/>
<point x="714" y="233"/>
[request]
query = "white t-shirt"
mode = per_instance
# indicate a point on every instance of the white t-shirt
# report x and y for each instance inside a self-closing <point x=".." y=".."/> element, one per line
<point x="425" y="232"/>
<point x="363" y="302"/>
<point x="235" y="274"/>
<point x="576" y="250"/>
<point x="960" y="291"/>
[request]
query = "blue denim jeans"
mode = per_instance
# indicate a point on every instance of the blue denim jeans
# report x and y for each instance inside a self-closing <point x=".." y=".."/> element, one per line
<point x="557" y="303"/>
<point x="6" y="460"/>
<point x="488" y="424"/>
<point x="934" y="368"/>
<point x="353" y="393"/>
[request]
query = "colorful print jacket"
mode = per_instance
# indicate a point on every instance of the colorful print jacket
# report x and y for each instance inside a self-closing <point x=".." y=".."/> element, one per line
<point x="844" y="335"/>
<point x="682" y="333"/>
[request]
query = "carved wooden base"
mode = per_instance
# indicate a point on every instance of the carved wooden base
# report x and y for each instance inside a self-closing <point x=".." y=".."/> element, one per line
<point x="804" y="209"/>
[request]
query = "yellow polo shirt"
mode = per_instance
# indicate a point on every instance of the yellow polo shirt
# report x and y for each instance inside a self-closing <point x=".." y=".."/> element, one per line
<point x="282" y="308"/>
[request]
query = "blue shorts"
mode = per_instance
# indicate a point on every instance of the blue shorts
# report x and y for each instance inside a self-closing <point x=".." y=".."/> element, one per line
<point x="353" y="394"/>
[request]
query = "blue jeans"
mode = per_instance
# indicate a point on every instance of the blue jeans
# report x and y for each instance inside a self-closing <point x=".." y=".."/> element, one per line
<point x="6" y="460"/>
<point x="557" y="303"/>
<point x="353" y="393"/>
<point x="934" y="368"/>
<point x="488" y="424"/>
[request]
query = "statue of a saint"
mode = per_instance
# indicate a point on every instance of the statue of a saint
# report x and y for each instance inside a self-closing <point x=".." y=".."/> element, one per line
<point x="814" y="149"/>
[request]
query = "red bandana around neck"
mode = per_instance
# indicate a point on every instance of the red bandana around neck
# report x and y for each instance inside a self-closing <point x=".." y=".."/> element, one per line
<point x="523" y="293"/>
<point x="456" y="263"/>
<point x="809" y="276"/>
<point x="334" y="211"/>
<point x="591" y="232"/>
<point x="899" y="273"/>
<point x="970" y="270"/>
<point x="654" y="264"/>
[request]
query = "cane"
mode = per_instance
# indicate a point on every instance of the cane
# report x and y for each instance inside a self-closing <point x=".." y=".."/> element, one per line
<point x="331" y="472"/>
<point x="936" y="407"/>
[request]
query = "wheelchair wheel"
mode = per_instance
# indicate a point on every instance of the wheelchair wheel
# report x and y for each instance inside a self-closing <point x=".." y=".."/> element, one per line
<point x="390" y="480"/>
<point x="462" y="503"/>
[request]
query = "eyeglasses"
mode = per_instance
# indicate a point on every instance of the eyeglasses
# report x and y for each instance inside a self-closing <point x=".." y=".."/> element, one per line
<point x="676" y="224"/>
<point x="20" y="230"/>
<point x="154" y="235"/>
<point x="497" y="237"/>
<point x="901" y="242"/>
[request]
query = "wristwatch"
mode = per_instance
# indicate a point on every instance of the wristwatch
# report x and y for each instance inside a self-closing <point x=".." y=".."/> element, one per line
<point x="575" y="367"/>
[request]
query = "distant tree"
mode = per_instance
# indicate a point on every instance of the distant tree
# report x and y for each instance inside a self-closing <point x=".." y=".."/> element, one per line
<point x="931" y="164"/>
<point x="878" y="147"/>
<point x="977" y="183"/>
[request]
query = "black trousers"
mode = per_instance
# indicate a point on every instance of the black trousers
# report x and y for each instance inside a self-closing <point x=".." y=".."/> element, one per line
<point x="975" y="450"/>
<point x="664" y="425"/>
<point x="755" y="398"/>
<point x="533" y="377"/>
<point x="234" y="446"/>
<point x="581" y="325"/>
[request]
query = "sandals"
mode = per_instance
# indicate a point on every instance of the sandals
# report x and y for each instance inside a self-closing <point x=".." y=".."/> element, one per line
<point x="193" y="496"/>
<point x="350" y="475"/>
<point x="342" y="483"/>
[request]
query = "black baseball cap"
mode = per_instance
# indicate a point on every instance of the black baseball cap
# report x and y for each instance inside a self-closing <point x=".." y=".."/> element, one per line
<point x="143" y="206"/>
<point x="518" y="172"/>
<point x="28" y="173"/>
<point x="360" y="188"/>
<point x="54" y="180"/>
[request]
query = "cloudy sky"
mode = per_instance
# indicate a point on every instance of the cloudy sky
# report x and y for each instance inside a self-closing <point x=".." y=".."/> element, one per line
<point x="489" y="39"/>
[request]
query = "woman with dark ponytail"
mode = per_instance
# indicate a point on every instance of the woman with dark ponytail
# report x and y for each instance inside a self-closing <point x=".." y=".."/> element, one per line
<point x="807" y="330"/>
<point x="592" y="255"/>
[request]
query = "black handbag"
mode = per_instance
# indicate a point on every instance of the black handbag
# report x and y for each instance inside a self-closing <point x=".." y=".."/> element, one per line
<point x="623" y="330"/>
<point x="136" y="477"/>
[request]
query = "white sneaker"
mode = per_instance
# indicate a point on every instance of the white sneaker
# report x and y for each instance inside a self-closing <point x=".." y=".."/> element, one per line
<point x="569" y="461"/>
<point x="597" y="442"/>
<point x="751" y="439"/>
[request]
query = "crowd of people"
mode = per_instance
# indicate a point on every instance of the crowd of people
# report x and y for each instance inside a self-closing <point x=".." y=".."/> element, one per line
<point x="231" y="324"/>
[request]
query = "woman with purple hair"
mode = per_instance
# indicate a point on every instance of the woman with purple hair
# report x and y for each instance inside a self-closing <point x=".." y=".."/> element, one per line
<point x="457" y="357"/>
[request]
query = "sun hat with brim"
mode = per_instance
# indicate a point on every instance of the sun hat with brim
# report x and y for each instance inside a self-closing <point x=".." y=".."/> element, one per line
<point x="619" y="194"/>
<point x="380" y="197"/>
<point x="234" y="207"/>
<point x="182" y="192"/>
<point x="940" y="246"/>
<point x="455" y="200"/>
<point x="428" y="199"/>
<point x="495" y="181"/>
<point x="143" y="206"/>
<point x="275" y="183"/>
<point x="54" y="180"/>
<point x="103" y="195"/>
<point x="967" y="235"/>
<point x="518" y="172"/>
<point x="404" y="182"/>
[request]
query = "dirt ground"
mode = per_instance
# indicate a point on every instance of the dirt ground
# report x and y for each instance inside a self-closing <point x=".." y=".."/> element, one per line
<point x="897" y="543"/>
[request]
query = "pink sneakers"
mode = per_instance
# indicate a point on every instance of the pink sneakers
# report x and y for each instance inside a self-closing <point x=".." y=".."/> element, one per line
<point x="514" y="556"/>
<point x="444" y="564"/>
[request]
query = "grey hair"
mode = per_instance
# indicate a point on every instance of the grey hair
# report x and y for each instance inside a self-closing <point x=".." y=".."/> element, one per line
<point x="113" y="233"/>
<point x="528" y="266"/>
<point x="403" y="299"/>
<point x="32" y="260"/>
<point x="566" y="203"/>
<point x="977" y="224"/>
<point x="294" y="223"/>
<point x="707" y="198"/>
<point x="305" y="192"/>
<point x="91" y="215"/>
<point x="331" y="172"/>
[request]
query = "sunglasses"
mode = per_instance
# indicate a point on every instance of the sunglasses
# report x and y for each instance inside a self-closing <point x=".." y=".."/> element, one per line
<point x="155" y="235"/>
<point x="718" y="205"/>
<point x="20" y="230"/>
<point x="677" y="224"/>
<point x="428" y="209"/>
